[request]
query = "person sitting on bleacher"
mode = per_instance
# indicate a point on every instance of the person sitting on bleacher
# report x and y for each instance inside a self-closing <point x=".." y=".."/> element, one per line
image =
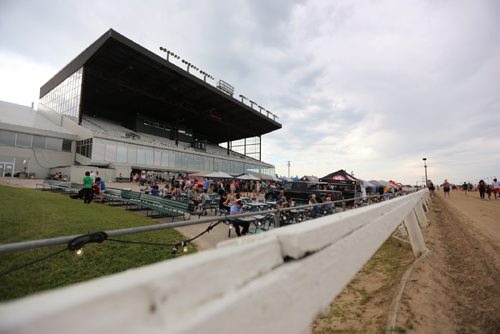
<point x="236" y="209"/>
<point x="202" y="201"/>
<point x="155" y="189"/>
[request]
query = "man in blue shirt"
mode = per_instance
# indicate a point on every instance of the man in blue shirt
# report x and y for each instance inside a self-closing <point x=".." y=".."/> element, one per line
<point x="236" y="209"/>
<point x="206" y="184"/>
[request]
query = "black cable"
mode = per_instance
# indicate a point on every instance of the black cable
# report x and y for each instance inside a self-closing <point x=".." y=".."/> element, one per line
<point x="209" y="228"/>
<point x="99" y="237"/>
<point x="11" y="270"/>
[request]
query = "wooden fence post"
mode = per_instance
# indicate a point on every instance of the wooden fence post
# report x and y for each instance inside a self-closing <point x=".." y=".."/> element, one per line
<point x="416" y="237"/>
<point x="419" y="212"/>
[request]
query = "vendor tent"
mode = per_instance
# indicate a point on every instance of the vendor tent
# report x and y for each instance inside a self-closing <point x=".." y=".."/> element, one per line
<point x="369" y="185"/>
<point x="341" y="177"/>
<point x="247" y="177"/>
<point x="310" y="178"/>
<point x="219" y="175"/>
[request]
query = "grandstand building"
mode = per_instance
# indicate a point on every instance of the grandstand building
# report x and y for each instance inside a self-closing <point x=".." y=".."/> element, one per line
<point x="118" y="107"/>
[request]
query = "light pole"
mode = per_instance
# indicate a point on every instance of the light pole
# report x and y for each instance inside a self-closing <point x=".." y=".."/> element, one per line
<point x="425" y="167"/>
<point x="288" y="169"/>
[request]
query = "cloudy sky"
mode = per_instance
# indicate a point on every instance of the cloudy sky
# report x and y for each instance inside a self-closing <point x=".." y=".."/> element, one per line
<point x="366" y="86"/>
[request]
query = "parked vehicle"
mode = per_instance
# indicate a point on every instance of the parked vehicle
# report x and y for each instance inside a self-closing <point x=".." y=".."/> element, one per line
<point x="300" y="191"/>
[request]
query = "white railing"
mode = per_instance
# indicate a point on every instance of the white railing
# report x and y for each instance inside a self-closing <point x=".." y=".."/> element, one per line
<point x="273" y="282"/>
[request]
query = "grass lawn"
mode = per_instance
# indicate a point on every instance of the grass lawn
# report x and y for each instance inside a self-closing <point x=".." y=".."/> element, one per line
<point x="27" y="214"/>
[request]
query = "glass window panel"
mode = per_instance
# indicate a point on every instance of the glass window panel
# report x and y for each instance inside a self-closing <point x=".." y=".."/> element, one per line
<point x="65" y="97"/>
<point x="39" y="142"/>
<point x="132" y="155"/>
<point x="54" y="144"/>
<point x="149" y="157"/>
<point x="23" y="140"/>
<point x="7" y="137"/>
<point x="141" y="156"/>
<point x="110" y="154"/>
<point x="157" y="159"/>
<point x="164" y="159"/>
<point x="66" y="145"/>
<point x="98" y="149"/>
<point x="121" y="153"/>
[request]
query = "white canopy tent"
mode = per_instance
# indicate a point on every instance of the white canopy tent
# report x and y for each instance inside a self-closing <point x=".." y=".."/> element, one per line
<point x="247" y="177"/>
<point x="218" y="175"/>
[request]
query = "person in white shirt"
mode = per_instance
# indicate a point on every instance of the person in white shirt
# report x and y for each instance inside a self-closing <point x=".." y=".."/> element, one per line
<point x="496" y="188"/>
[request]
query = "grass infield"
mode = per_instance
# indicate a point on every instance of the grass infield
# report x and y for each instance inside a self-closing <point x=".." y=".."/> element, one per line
<point x="28" y="214"/>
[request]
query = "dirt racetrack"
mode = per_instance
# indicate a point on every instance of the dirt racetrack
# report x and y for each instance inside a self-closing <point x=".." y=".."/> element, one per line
<point x="456" y="289"/>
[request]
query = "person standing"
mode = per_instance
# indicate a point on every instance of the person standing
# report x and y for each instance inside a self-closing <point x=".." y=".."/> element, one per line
<point x="431" y="187"/>
<point x="87" y="188"/>
<point x="496" y="188"/>
<point x="482" y="188"/>
<point x="446" y="188"/>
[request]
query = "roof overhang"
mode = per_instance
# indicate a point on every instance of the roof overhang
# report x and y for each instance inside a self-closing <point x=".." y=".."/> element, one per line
<point x="122" y="79"/>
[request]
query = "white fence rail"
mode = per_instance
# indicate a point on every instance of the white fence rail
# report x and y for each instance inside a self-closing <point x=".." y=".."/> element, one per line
<point x="273" y="282"/>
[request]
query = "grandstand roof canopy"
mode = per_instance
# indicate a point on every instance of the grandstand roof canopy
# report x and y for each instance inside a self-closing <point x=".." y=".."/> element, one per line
<point x="122" y="79"/>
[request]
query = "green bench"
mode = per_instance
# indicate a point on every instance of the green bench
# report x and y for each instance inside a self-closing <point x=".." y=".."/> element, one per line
<point x="212" y="203"/>
<point x="131" y="198"/>
<point x="113" y="195"/>
<point x="59" y="185"/>
<point x="164" y="206"/>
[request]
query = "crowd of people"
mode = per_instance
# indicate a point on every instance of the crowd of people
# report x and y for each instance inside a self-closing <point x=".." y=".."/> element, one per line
<point x="93" y="188"/>
<point x="491" y="190"/>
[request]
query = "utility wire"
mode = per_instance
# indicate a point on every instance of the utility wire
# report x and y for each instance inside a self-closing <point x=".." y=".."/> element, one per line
<point x="16" y="268"/>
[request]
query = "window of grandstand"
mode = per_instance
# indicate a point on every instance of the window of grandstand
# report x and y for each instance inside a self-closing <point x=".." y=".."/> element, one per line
<point x="54" y="144"/>
<point x="121" y="153"/>
<point x="131" y="154"/>
<point x="84" y="147"/>
<point x="23" y="140"/>
<point x="66" y="145"/>
<point x="65" y="98"/>
<point x="141" y="156"/>
<point x="39" y="142"/>
<point x="110" y="153"/>
<point x="98" y="150"/>
<point x="149" y="157"/>
<point x="7" y="137"/>
<point x="164" y="158"/>
<point x="157" y="159"/>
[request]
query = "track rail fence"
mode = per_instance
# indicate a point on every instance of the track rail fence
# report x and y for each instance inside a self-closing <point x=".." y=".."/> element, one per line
<point x="273" y="282"/>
